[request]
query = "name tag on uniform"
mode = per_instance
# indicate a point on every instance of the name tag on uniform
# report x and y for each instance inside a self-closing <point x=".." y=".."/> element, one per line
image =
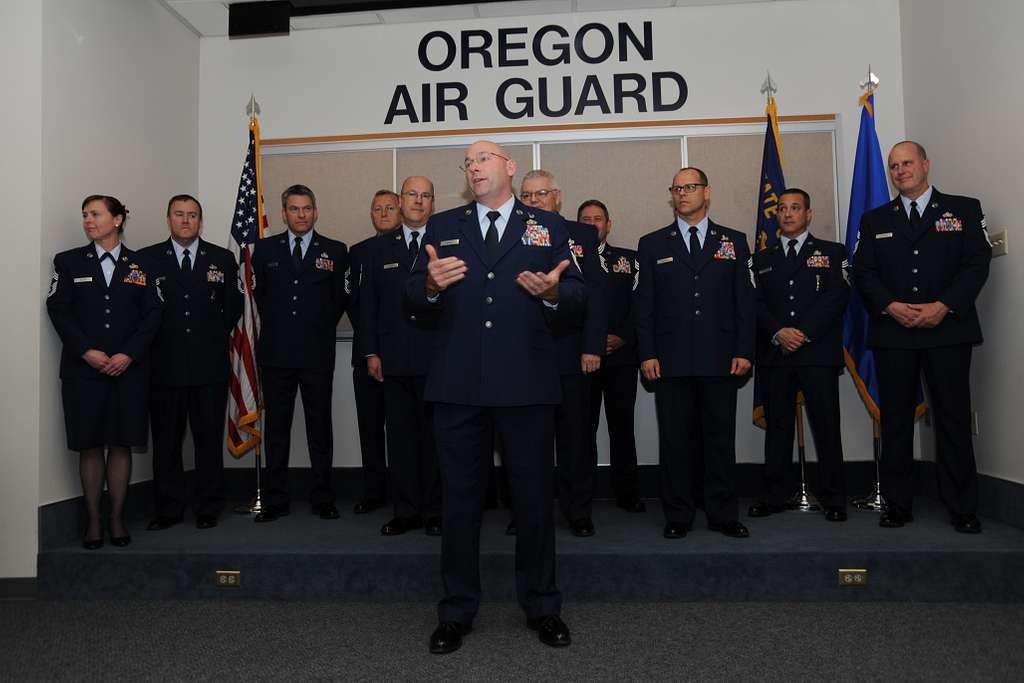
<point x="390" y="265"/>
<point x="272" y="264"/>
<point x="449" y="243"/>
<point x="83" y="279"/>
<point x="667" y="259"/>
<point x="883" y="235"/>
<point x="765" y="270"/>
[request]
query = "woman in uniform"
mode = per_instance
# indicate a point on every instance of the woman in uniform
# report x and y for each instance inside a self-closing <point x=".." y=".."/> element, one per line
<point x="106" y="312"/>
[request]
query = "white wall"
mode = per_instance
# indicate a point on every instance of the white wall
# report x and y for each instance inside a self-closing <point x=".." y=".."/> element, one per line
<point x="22" y="284"/>
<point x="340" y="81"/>
<point x="961" y="67"/>
<point x="120" y="117"/>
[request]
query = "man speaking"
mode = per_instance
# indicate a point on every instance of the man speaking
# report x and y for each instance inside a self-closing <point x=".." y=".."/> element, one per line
<point x="497" y="274"/>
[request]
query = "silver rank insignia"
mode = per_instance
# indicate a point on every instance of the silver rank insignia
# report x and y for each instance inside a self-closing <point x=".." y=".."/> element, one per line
<point x="53" y="284"/>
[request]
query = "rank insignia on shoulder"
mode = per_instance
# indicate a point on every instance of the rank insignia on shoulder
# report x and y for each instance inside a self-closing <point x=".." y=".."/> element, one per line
<point x="623" y="266"/>
<point x="449" y="243"/>
<point x="726" y="251"/>
<point x="817" y="261"/>
<point x="214" y="275"/>
<point x="135" y="277"/>
<point x="950" y="224"/>
<point x="536" y="235"/>
<point x="53" y="284"/>
<point x="324" y="264"/>
<point x="667" y="259"/>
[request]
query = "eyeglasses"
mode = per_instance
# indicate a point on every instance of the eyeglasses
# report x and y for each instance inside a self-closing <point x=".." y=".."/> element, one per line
<point x="414" y="195"/>
<point x="688" y="188"/>
<point x="384" y="209"/>
<point x="539" y="194"/>
<point x="480" y="159"/>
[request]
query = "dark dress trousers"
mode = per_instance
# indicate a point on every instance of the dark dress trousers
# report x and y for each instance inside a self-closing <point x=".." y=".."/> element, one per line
<point x="369" y="393"/>
<point x="299" y="307"/>
<point x="945" y="258"/>
<point x="615" y="382"/>
<point x="695" y="314"/>
<point x="494" y="367"/>
<point x="123" y="317"/>
<point x="403" y="339"/>
<point x="190" y="372"/>
<point x="576" y="462"/>
<point x="809" y="293"/>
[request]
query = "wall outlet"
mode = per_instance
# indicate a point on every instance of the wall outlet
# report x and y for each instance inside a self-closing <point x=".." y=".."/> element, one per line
<point x="1000" y="243"/>
<point x="853" y="577"/>
<point x="228" y="578"/>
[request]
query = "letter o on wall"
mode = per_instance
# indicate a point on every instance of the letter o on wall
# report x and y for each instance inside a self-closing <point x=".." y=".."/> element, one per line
<point x="606" y="34"/>
<point x="449" y="46"/>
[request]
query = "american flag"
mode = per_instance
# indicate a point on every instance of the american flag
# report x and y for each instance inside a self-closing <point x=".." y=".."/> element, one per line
<point x="247" y="225"/>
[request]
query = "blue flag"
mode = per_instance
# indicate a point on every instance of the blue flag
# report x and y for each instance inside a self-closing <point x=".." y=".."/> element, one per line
<point x="771" y="183"/>
<point x="870" y="189"/>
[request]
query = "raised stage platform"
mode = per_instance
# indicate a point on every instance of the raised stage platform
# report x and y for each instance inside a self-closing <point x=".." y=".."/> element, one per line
<point x="791" y="557"/>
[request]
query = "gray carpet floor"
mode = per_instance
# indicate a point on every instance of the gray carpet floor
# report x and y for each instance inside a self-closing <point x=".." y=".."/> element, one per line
<point x="262" y="641"/>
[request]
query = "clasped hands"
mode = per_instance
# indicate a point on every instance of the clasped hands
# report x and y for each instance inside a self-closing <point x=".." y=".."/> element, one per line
<point x="917" y="315"/>
<point x="442" y="273"/>
<point x="107" y="365"/>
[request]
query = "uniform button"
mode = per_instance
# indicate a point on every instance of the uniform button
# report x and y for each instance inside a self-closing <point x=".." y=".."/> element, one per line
<point x="295" y="282"/>
<point x="790" y="283"/>
<point x="696" y="277"/>
<point x="188" y="330"/>
<point x="295" y="312"/>
<point x="489" y="300"/>
<point x="697" y="312"/>
<point x="187" y="314"/>
<point x="107" y="311"/>
<point x="913" y="289"/>
<point x="294" y="297"/>
<point x="916" y="252"/>
<point x="913" y="270"/>
<point x="106" y="297"/>
<point x="792" y="314"/>
<point x="106" y="325"/>
<point x="488" y="324"/>
<point x="696" y="295"/>
<point x="490" y="276"/>
<point x="186" y="297"/>
<point x="791" y="297"/>
<point x="412" y="317"/>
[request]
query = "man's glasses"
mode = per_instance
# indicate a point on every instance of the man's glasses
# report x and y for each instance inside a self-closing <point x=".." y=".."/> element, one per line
<point x="414" y="195"/>
<point x="539" y="194"/>
<point x="688" y="188"/>
<point x="480" y="159"/>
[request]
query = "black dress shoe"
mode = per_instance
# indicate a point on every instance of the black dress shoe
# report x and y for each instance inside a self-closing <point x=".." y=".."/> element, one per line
<point x="762" y="509"/>
<point x="894" y="519"/>
<point x="92" y="543"/>
<point x="447" y="637"/>
<point x="206" y="521"/>
<point x="326" y="511"/>
<point x="674" y="531"/>
<point x="120" y="541"/>
<point x="368" y="505"/>
<point x="583" y="527"/>
<point x="161" y="523"/>
<point x="967" y="524"/>
<point x="399" y="525"/>
<point x="731" y="529"/>
<point x="631" y="504"/>
<point x="551" y="630"/>
<point x="511" y="529"/>
<point x="835" y="514"/>
<point x="433" y="526"/>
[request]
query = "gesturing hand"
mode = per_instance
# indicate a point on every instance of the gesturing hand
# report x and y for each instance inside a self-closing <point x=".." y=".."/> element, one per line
<point x="442" y="273"/>
<point x="543" y="285"/>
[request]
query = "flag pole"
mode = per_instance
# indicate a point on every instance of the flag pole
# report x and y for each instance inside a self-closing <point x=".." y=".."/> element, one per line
<point x="803" y="501"/>
<point x="873" y="501"/>
<point x="255" y="506"/>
